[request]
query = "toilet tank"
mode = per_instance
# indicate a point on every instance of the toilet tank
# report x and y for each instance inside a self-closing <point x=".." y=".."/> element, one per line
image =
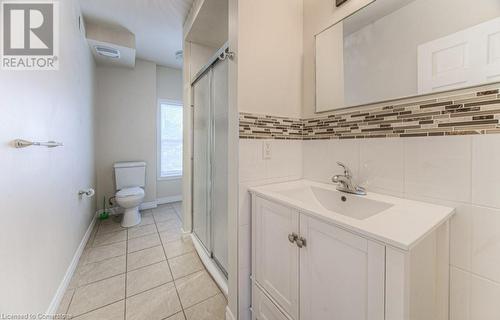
<point x="130" y="174"/>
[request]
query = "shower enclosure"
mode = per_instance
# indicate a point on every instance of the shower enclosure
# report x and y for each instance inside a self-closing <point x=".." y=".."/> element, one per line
<point x="210" y="158"/>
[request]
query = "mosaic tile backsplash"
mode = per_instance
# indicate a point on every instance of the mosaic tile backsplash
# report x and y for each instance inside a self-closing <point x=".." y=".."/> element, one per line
<point x="472" y="113"/>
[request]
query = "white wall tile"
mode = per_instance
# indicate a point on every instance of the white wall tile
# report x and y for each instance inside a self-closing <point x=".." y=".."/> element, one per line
<point x="438" y="167"/>
<point x="245" y="205"/>
<point x="251" y="163"/>
<point x="461" y="237"/>
<point x="316" y="160"/>
<point x="459" y="294"/>
<point x="485" y="173"/>
<point x="382" y="165"/>
<point x="245" y="254"/>
<point x="484" y="299"/>
<point x="286" y="159"/>
<point x="486" y="243"/>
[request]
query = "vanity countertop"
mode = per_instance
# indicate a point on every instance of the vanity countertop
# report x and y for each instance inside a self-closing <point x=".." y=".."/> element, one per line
<point x="401" y="223"/>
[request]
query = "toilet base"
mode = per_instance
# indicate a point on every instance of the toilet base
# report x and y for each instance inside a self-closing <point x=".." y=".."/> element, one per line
<point x="131" y="217"/>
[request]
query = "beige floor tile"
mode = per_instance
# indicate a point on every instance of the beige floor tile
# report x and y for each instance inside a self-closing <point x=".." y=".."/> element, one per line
<point x="155" y="304"/>
<point x="146" y="219"/>
<point x="141" y="231"/>
<point x="109" y="238"/>
<point x="177" y="316"/>
<point x="178" y="247"/>
<point x="164" y="215"/>
<point x="110" y="225"/>
<point x="162" y="208"/>
<point x="171" y="235"/>
<point x="97" y="294"/>
<point x="101" y="270"/>
<point x="168" y="224"/>
<point x="184" y="265"/>
<point x="65" y="301"/>
<point x="148" y="277"/>
<point x="92" y="235"/>
<point x="196" y="288"/>
<point x="147" y="212"/>
<point x="145" y="257"/>
<point x="97" y="254"/>
<point x="210" y="309"/>
<point x="115" y="311"/>
<point x="145" y="242"/>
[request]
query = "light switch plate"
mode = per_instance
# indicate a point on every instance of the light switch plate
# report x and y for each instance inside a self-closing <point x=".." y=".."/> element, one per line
<point x="266" y="150"/>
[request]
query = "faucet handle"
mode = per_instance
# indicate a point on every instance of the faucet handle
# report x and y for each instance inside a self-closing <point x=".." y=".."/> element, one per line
<point x="347" y="171"/>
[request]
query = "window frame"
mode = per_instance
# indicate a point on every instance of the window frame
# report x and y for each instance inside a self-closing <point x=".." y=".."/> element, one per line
<point x="159" y="177"/>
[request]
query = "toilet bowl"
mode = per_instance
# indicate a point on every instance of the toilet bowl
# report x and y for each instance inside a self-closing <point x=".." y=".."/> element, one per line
<point x="130" y="199"/>
<point x="130" y="178"/>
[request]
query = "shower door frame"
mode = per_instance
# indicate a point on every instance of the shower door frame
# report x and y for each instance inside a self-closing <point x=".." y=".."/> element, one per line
<point x="207" y="69"/>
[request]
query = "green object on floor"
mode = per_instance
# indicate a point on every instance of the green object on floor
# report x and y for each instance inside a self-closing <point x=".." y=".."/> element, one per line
<point x="104" y="214"/>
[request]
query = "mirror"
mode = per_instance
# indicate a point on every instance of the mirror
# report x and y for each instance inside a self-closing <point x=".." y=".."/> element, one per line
<point x="393" y="49"/>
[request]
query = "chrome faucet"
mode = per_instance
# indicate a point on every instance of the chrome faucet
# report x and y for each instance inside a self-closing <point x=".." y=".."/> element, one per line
<point x="345" y="183"/>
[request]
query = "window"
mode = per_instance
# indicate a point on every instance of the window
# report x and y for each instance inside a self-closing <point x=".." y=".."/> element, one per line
<point x="170" y="139"/>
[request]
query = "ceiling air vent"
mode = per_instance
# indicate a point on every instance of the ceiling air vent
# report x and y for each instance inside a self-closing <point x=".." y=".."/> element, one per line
<point x="108" y="52"/>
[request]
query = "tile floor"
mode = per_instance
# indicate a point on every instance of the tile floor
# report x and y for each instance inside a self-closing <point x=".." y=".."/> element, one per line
<point x="150" y="271"/>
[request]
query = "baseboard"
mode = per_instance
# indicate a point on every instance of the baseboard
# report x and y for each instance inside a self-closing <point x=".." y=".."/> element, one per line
<point x="229" y="314"/>
<point x="169" y="199"/>
<point x="148" y="205"/>
<point x="144" y="206"/>
<point x="210" y="265"/>
<point x="56" y="300"/>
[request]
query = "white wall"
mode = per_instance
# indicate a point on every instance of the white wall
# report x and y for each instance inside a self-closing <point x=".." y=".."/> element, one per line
<point x="269" y="81"/>
<point x="270" y="57"/>
<point x="456" y="171"/>
<point x="43" y="219"/>
<point x="169" y="87"/>
<point x="126" y="108"/>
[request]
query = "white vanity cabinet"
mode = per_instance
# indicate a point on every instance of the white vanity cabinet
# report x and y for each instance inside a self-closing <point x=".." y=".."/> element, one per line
<point x="308" y="268"/>
<point x="276" y="259"/>
<point x="341" y="274"/>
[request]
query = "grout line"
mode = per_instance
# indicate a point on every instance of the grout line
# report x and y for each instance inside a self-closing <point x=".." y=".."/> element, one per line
<point x="149" y="289"/>
<point x="107" y="278"/>
<point x="87" y="312"/>
<point x="70" y="301"/>
<point x="477" y="275"/>
<point x="170" y="269"/>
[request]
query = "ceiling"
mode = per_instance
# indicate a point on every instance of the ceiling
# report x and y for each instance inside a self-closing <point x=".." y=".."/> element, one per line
<point x="157" y="24"/>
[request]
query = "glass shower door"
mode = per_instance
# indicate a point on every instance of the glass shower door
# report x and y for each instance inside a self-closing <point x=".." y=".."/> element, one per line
<point x="210" y="162"/>
<point x="201" y="159"/>
<point x="219" y="214"/>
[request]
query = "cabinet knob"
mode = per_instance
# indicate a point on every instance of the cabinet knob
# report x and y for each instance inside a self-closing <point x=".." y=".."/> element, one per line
<point x="293" y="237"/>
<point x="301" y="242"/>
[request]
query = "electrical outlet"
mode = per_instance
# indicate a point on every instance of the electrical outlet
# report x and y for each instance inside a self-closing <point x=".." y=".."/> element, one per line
<point x="266" y="150"/>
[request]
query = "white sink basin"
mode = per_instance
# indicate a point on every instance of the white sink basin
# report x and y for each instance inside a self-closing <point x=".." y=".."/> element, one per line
<point x="342" y="203"/>
<point x="394" y="221"/>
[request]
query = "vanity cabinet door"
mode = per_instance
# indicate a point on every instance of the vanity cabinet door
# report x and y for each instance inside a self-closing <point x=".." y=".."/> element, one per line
<point x="263" y="308"/>
<point x="276" y="258"/>
<point x="341" y="274"/>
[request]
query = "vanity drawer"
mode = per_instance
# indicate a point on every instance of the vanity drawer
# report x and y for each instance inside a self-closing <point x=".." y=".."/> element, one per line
<point x="263" y="308"/>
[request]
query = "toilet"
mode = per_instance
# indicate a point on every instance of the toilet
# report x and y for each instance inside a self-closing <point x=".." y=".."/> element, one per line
<point x="130" y="178"/>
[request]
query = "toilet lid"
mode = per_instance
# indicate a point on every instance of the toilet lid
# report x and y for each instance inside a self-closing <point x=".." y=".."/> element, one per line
<point x="127" y="192"/>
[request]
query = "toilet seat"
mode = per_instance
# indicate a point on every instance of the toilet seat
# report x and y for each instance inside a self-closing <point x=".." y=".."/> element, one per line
<point x="130" y="192"/>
